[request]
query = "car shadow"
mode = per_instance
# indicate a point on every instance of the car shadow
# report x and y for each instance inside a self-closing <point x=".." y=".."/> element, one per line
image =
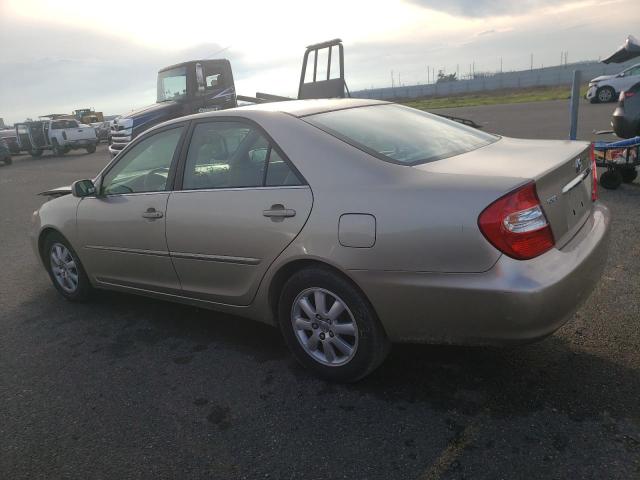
<point x="554" y="373"/>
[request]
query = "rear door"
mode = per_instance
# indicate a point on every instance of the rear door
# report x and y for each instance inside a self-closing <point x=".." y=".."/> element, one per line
<point x="242" y="202"/>
<point x="631" y="77"/>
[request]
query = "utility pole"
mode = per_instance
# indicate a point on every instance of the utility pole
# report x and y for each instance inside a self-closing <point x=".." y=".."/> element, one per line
<point x="500" y="64"/>
<point x="458" y="71"/>
<point x="531" y="68"/>
<point x="392" y="81"/>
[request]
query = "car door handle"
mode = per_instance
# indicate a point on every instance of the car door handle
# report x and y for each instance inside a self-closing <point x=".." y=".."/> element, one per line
<point x="278" y="211"/>
<point x="152" y="213"/>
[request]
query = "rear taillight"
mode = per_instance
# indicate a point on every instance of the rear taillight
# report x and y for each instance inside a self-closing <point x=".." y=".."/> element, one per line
<point x="516" y="225"/>
<point x="629" y="94"/>
<point x="594" y="174"/>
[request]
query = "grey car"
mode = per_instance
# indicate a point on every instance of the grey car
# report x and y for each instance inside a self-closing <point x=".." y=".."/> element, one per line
<point x="349" y="224"/>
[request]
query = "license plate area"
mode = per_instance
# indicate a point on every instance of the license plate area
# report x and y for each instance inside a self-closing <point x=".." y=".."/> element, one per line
<point x="578" y="202"/>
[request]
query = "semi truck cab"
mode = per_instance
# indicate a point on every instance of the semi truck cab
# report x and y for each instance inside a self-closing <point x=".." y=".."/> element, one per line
<point x="185" y="88"/>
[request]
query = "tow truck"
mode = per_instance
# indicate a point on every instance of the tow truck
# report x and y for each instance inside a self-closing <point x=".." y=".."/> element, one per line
<point x="205" y="85"/>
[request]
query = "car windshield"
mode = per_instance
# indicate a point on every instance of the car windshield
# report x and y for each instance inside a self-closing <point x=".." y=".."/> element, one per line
<point x="172" y="84"/>
<point x="400" y="134"/>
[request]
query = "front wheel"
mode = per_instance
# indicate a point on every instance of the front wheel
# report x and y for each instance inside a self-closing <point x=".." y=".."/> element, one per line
<point x="330" y="326"/>
<point x="36" y="152"/>
<point x="65" y="270"/>
<point x="605" y="95"/>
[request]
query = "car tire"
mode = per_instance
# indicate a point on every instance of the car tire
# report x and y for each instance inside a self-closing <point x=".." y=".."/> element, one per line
<point x="629" y="174"/>
<point x="611" y="179"/>
<point x="605" y="95"/>
<point x="7" y="161"/>
<point x="340" y="342"/>
<point x="65" y="269"/>
<point x="36" y="152"/>
<point x="91" y="149"/>
<point x="58" y="151"/>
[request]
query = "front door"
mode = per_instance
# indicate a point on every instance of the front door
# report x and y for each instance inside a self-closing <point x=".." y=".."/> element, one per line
<point x="122" y="230"/>
<point x="241" y="204"/>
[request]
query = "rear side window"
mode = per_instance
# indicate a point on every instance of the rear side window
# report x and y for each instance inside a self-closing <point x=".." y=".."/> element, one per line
<point x="400" y="134"/>
<point x="234" y="155"/>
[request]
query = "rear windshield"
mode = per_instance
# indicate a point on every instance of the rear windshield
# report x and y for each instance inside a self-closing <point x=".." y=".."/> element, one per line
<point x="400" y="134"/>
<point x="62" y="124"/>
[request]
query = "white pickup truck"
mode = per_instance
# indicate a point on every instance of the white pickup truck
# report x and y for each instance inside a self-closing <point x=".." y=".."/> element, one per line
<point x="59" y="135"/>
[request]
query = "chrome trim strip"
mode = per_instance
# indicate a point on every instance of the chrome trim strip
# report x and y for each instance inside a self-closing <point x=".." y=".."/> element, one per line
<point x="576" y="181"/>
<point x="138" y="251"/>
<point x="227" y="189"/>
<point x="216" y="258"/>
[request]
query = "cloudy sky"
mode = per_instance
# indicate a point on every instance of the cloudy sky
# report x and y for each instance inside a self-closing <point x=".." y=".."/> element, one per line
<point x="57" y="56"/>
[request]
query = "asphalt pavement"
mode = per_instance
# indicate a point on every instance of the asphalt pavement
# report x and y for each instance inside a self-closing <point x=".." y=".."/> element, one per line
<point x="129" y="387"/>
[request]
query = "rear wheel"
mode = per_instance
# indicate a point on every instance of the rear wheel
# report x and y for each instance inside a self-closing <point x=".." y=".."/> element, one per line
<point x="330" y="326"/>
<point x="611" y="179"/>
<point x="36" y="152"/>
<point x="91" y="149"/>
<point x="7" y="160"/>
<point x="58" y="151"/>
<point x="629" y="174"/>
<point x="605" y="94"/>
<point x="65" y="270"/>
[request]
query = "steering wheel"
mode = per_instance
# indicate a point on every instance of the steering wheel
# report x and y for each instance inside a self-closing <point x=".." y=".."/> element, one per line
<point x="154" y="181"/>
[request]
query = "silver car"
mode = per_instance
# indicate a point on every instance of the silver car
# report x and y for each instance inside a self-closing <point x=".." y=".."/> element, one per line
<point x="349" y="224"/>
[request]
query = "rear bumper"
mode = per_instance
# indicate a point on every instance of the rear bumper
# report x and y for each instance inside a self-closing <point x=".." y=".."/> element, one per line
<point x="513" y="302"/>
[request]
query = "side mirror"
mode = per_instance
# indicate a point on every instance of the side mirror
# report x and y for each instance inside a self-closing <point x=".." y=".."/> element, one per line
<point x="200" y="77"/>
<point x="83" y="188"/>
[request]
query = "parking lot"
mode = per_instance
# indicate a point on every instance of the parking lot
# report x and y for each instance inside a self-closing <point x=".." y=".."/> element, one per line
<point x="129" y="387"/>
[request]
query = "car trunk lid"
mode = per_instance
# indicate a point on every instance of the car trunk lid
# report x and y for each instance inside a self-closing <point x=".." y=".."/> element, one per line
<point x="561" y="171"/>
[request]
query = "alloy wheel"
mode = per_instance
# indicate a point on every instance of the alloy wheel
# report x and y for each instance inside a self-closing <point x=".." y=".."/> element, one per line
<point x="63" y="267"/>
<point x="605" y="95"/>
<point x="324" y="327"/>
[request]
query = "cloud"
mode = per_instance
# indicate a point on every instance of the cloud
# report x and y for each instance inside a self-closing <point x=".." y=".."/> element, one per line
<point x="58" y="69"/>
<point x="485" y="8"/>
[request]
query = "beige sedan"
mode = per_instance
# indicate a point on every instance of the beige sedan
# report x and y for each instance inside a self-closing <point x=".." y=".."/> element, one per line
<point x="349" y="224"/>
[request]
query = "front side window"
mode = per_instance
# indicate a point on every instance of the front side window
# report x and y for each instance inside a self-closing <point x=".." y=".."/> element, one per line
<point x="233" y="155"/>
<point x="400" y="134"/>
<point x="144" y="168"/>
<point x="172" y="84"/>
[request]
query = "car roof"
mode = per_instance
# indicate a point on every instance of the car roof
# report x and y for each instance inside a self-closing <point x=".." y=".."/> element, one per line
<point x="301" y="108"/>
<point x="296" y="108"/>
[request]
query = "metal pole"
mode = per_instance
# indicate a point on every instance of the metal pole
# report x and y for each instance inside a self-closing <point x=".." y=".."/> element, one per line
<point x="575" y="103"/>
